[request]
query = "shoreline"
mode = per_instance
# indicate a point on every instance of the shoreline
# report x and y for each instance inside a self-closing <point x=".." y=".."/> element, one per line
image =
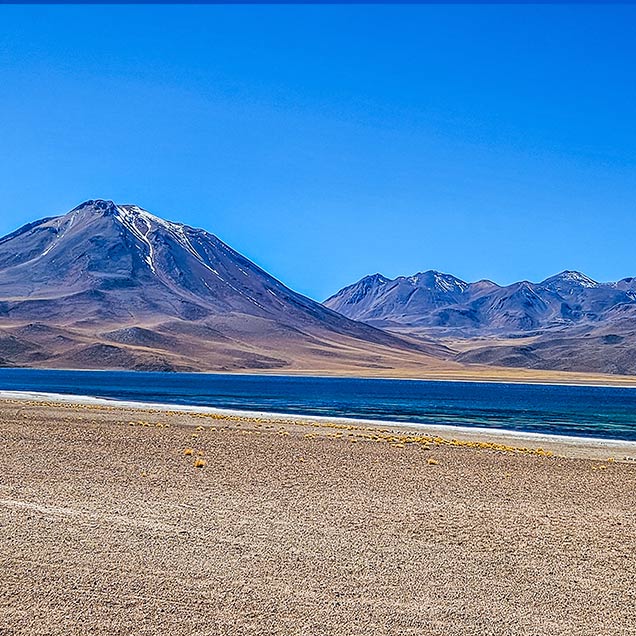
<point x="596" y="381"/>
<point x="580" y="445"/>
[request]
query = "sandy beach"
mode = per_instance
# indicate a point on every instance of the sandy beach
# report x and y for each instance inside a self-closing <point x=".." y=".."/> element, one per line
<point x="123" y="519"/>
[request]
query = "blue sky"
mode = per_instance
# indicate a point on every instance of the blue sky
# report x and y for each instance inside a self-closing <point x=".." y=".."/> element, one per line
<point x="329" y="142"/>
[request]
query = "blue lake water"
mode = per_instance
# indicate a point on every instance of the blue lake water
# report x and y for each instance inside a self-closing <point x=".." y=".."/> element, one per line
<point x="605" y="412"/>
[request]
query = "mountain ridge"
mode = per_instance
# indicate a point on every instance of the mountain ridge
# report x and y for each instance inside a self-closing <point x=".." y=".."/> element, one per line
<point x="567" y="321"/>
<point x="115" y="286"/>
<point x="390" y="301"/>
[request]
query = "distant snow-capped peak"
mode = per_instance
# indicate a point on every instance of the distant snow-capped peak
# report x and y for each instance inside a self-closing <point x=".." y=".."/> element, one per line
<point x="438" y="280"/>
<point x="572" y="277"/>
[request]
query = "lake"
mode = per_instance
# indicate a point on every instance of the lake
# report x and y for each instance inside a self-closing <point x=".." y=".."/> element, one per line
<point x="605" y="412"/>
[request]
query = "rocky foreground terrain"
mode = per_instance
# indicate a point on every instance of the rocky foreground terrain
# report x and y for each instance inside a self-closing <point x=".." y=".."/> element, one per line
<point x="107" y="526"/>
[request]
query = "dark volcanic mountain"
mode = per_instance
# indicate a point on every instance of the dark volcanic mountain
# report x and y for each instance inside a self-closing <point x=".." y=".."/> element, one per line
<point x="568" y="321"/>
<point x="113" y="286"/>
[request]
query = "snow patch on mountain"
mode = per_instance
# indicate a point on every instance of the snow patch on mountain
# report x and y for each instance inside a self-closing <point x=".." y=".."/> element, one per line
<point x="130" y="220"/>
<point x="571" y="277"/>
<point x="436" y="280"/>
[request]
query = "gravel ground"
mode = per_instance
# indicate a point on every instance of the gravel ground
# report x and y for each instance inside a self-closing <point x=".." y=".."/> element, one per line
<point x="107" y="527"/>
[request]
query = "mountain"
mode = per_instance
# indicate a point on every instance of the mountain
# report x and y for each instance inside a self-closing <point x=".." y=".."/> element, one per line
<point x="565" y="322"/>
<point x="433" y="300"/>
<point x="586" y="296"/>
<point x="411" y="300"/>
<point x="569" y="281"/>
<point x="113" y="286"/>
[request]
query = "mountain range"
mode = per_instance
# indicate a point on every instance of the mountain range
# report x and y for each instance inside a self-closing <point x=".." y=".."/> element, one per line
<point x="566" y="322"/>
<point x="113" y="286"/>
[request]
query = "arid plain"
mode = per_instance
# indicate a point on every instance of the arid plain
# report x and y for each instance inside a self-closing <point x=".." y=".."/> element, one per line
<point x="305" y="527"/>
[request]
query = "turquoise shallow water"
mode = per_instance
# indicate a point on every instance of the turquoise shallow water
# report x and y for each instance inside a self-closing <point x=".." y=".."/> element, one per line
<point x="604" y="412"/>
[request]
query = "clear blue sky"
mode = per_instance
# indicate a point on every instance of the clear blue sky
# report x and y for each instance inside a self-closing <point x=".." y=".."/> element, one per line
<point x="329" y="142"/>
